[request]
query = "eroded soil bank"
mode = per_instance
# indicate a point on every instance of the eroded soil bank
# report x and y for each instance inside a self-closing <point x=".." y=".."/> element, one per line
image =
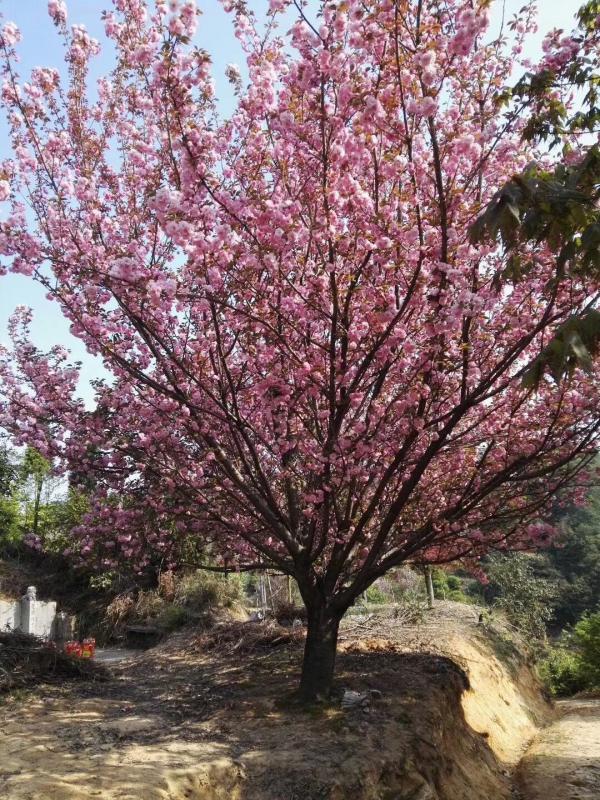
<point x="458" y="705"/>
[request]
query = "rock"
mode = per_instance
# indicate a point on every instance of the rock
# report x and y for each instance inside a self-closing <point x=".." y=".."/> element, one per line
<point x="375" y="695"/>
<point x="352" y="699"/>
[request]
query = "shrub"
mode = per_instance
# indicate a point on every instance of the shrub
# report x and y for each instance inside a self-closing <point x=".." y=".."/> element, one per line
<point x="103" y="581"/>
<point x="148" y="605"/>
<point x="402" y="580"/>
<point x="561" y="672"/>
<point x="574" y="665"/>
<point x="448" y="587"/>
<point x="526" y="599"/>
<point x="167" y="584"/>
<point x="587" y="641"/>
<point x="394" y="587"/>
<point x="376" y="595"/>
<point x="203" y="590"/>
<point x="177" y="601"/>
<point x="411" y="608"/>
<point x="172" y="617"/>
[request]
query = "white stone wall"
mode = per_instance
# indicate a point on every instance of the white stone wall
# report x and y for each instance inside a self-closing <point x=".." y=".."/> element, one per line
<point x="28" y="615"/>
<point x="10" y="614"/>
<point x="37" y="617"/>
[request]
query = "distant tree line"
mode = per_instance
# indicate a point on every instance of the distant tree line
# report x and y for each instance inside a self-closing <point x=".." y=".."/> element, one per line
<point x="37" y="508"/>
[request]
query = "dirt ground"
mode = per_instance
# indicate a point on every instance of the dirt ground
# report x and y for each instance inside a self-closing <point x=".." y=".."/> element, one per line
<point x="563" y="763"/>
<point x="458" y="705"/>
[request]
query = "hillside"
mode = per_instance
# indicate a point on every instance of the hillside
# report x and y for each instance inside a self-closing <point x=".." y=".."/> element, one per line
<point x="206" y="717"/>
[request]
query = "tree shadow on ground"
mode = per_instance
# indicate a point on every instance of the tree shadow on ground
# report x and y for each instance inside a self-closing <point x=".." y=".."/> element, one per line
<point x="210" y="722"/>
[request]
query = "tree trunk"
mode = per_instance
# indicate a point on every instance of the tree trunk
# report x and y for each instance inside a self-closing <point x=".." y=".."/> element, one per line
<point x="429" y="583"/>
<point x="38" y="486"/>
<point x="319" y="655"/>
<point x="263" y="593"/>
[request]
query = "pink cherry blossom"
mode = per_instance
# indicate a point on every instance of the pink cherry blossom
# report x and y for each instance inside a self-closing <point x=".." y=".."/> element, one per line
<point x="10" y="34"/>
<point x="57" y="9"/>
<point x="312" y="367"/>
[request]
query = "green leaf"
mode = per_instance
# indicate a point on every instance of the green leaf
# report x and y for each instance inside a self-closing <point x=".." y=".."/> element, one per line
<point x="574" y="345"/>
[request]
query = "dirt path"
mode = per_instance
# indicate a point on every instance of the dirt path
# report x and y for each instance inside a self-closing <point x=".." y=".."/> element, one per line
<point x="563" y="763"/>
<point x="200" y="718"/>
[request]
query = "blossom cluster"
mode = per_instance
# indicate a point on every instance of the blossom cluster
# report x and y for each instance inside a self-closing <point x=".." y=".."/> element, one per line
<point x="312" y="364"/>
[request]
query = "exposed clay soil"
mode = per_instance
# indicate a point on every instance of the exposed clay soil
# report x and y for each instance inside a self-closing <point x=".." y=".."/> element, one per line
<point x="458" y="707"/>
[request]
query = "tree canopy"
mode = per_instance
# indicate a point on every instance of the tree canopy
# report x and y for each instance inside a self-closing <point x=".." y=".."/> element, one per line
<point x="314" y="367"/>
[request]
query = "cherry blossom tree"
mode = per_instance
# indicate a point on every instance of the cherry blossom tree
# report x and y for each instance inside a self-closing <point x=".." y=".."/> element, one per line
<point x="314" y="368"/>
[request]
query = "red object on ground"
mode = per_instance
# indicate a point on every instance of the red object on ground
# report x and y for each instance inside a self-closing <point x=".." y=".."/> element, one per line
<point x="88" y="648"/>
<point x="73" y="649"/>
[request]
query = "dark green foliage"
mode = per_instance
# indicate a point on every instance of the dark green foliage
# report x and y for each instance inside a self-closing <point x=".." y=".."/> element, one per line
<point x="576" y="558"/>
<point x="34" y="474"/>
<point x="574" y="664"/>
<point x="560" y="671"/>
<point x="376" y="595"/>
<point x="33" y="502"/>
<point x="172" y="617"/>
<point x="526" y="599"/>
<point x="561" y="209"/>
<point x="8" y="471"/>
<point x="58" y="518"/>
<point x="558" y="207"/>
<point x="587" y="641"/>
<point x="575" y="343"/>
<point x="9" y="521"/>
<point x="9" y="505"/>
<point x="448" y="587"/>
<point x="34" y="465"/>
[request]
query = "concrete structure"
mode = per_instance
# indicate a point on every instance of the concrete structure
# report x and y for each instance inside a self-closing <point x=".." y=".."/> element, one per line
<point x="28" y="614"/>
<point x="10" y="615"/>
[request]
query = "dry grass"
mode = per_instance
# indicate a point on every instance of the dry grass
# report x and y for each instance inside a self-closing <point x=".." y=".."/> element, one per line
<point x="177" y="601"/>
<point x="247" y="637"/>
<point x="28" y="661"/>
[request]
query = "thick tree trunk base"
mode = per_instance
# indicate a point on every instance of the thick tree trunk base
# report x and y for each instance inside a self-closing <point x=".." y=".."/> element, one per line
<point x="318" y="665"/>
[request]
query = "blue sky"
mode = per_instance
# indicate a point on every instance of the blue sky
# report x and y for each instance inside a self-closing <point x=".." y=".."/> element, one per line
<point x="41" y="46"/>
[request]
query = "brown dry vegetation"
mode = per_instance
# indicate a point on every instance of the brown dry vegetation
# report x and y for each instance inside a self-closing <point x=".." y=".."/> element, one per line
<point x="26" y="661"/>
